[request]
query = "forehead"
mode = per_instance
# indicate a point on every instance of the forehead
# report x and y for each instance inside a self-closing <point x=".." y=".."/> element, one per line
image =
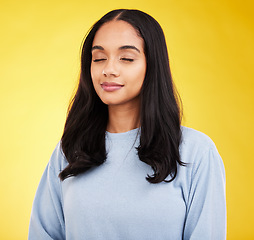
<point x="117" y="33"/>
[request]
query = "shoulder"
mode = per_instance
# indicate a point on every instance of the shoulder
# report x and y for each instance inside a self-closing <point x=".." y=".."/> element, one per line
<point x="195" y="145"/>
<point x="200" y="155"/>
<point x="58" y="160"/>
<point x="195" y="139"/>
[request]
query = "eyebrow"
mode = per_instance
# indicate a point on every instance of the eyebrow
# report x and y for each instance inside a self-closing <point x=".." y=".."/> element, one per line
<point x="97" y="47"/>
<point x="129" y="47"/>
<point x="120" y="48"/>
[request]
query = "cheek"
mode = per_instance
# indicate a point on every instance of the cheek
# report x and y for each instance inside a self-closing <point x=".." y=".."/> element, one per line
<point x="94" y="75"/>
<point x="140" y="76"/>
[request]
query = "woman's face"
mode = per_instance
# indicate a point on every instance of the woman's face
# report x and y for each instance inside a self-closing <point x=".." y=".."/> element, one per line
<point x="118" y="64"/>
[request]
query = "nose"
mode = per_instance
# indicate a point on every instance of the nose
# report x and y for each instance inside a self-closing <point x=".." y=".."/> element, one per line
<point x="110" y="69"/>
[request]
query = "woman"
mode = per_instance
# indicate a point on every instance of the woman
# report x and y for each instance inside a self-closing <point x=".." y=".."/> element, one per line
<point x="125" y="168"/>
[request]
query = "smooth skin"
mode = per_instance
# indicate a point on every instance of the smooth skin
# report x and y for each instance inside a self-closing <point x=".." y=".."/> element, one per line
<point x="118" y="70"/>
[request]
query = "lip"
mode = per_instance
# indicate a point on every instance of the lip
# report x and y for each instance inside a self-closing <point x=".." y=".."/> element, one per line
<point x="111" y="86"/>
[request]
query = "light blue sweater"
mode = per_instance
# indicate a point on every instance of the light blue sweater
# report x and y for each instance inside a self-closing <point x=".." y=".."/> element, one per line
<point x="115" y="202"/>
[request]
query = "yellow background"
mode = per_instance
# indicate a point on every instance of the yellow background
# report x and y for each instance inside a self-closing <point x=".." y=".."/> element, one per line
<point x="211" y="52"/>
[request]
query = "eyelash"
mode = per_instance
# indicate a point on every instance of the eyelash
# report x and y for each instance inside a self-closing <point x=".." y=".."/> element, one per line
<point x="127" y="59"/>
<point x="124" y="59"/>
<point x="99" y="60"/>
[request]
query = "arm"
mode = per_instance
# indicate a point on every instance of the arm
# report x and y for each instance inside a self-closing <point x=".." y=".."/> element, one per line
<point x="47" y="220"/>
<point x="206" y="206"/>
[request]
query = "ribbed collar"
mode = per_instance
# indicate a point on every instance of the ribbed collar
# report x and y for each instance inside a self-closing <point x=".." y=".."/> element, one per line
<point x="132" y="134"/>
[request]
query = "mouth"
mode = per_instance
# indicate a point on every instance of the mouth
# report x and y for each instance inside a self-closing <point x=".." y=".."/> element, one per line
<point x="111" y="86"/>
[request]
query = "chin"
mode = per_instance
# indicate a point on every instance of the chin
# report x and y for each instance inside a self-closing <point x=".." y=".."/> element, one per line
<point x="110" y="101"/>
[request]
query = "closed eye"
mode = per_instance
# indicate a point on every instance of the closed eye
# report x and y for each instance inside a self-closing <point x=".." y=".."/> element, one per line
<point x="127" y="59"/>
<point x="99" y="59"/>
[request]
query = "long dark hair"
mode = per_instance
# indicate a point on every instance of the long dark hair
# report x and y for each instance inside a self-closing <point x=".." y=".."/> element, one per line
<point x="83" y="140"/>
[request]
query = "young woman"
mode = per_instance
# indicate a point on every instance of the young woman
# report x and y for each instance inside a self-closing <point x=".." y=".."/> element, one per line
<point x="125" y="168"/>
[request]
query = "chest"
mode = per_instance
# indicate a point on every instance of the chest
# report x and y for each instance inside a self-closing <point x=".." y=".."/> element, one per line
<point x="115" y="201"/>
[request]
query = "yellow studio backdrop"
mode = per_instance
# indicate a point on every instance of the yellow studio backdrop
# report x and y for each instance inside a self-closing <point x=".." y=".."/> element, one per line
<point x="211" y="53"/>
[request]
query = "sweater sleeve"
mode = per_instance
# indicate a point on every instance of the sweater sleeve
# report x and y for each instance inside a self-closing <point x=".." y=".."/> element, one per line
<point x="47" y="220"/>
<point x="206" y="207"/>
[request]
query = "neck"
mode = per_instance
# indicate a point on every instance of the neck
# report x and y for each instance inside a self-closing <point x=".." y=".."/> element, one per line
<point x="123" y="119"/>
